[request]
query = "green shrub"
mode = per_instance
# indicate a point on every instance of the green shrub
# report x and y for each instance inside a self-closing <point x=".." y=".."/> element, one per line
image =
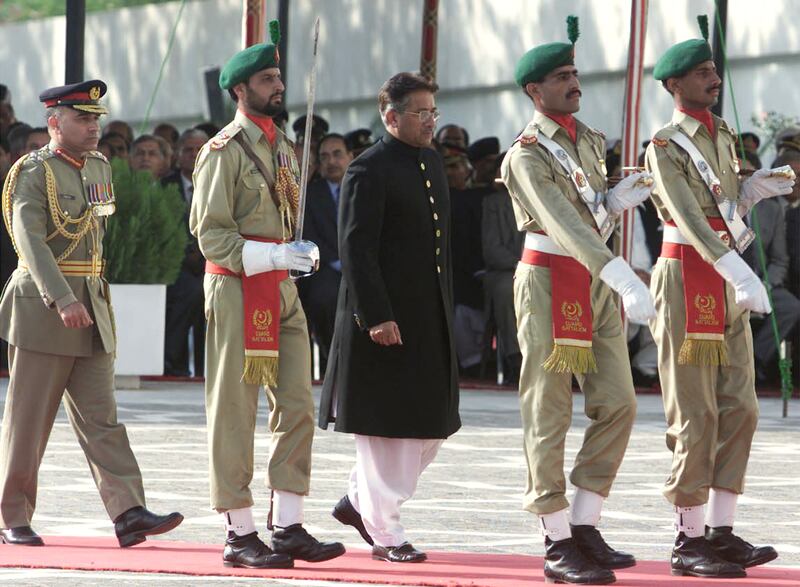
<point x="146" y="237"/>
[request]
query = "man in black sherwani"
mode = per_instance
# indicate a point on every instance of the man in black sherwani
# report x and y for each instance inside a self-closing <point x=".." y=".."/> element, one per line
<point x="392" y="372"/>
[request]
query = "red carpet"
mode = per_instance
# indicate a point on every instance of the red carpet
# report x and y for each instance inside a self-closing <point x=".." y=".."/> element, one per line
<point x="443" y="569"/>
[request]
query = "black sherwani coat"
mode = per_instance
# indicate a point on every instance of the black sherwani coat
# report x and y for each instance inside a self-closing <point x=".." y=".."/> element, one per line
<point x="394" y="244"/>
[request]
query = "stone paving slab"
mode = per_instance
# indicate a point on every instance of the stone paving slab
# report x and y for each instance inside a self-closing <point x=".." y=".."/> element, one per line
<point x="468" y="500"/>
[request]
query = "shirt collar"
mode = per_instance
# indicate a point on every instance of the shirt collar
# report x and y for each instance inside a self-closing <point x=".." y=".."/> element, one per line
<point x="250" y="128"/>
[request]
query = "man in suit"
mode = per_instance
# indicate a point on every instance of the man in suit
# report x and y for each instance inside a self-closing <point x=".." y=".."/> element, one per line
<point x="56" y="315"/>
<point x="318" y="292"/>
<point x="502" y="247"/>
<point x="185" y="296"/>
<point x="770" y="217"/>
<point x="392" y="374"/>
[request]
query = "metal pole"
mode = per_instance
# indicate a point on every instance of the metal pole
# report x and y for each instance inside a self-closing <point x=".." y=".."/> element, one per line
<point x="719" y="52"/>
<point x="76" y="24"/>
<point x="283" y="45"/>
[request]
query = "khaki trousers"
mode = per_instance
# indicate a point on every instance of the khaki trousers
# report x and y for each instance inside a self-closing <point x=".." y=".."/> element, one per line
<point x="546" y="398"/>
<point x="36" y="385"/>
<point x="231" y="405"/>
<point x="711" y="412"/>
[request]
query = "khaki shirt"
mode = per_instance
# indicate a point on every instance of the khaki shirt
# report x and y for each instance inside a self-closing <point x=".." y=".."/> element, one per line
<point x="37" y="290"/>
<point x="680" y="194"/>
<point x="544" y="196"/>
<point x="231" y="197"/>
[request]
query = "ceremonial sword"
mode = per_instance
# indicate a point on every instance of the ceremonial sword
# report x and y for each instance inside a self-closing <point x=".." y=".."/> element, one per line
<point x="301" y="205"/>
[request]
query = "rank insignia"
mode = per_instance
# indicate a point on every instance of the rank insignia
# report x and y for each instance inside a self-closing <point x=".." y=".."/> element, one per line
<point x="660" y="142"/>
<point x="529" y="140"/>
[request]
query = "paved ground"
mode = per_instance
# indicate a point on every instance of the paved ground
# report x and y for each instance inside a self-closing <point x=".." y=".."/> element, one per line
<point x="468" y="500"/>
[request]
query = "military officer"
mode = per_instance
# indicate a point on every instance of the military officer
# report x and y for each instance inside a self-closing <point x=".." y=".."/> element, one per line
<point x="704" y="293"/>
<point x="56" y="315"/>
<point x="568" y="320"/>
<point x="243" y="214"/>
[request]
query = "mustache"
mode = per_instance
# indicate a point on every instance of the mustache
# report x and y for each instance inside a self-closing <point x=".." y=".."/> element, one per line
<point x="573" y="93"/>
<point x="712" y="88"/>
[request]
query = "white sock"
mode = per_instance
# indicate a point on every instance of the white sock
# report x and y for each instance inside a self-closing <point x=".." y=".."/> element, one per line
<point x="690" y="521"/>
<point x="287" y="508"/>
<point x="586" y="507"/>
<point x="240" y="521"/>
<point x="721" y="508"/>
<point x="555" y="526"/>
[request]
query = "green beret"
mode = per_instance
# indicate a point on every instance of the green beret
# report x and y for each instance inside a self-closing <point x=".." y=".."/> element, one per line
<point x="251" y="60"/>
<point x="682" y="57"/>
<point x="541" y="60"/>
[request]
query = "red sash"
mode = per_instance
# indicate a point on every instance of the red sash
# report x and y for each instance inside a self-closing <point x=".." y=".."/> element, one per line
<point x="571" y="309"/>
<point x="704" y="298"/>
<point x="262" y="319"/>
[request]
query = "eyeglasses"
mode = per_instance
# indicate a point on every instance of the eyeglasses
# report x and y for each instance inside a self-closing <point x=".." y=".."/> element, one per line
<point x="425" y="115"/>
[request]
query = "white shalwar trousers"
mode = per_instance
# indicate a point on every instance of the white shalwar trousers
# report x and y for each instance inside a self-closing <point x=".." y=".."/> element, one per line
<point x="384" y="477"/>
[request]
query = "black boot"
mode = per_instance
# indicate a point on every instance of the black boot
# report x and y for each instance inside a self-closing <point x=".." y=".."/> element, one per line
<point x="299" y="544"/>
<point x="695" y="557"/>
<point x="348" y="515"/>
<point x="136" y="524"/>
<point x="591" y="543"/>
<point x="564" y="562"/>
<point x="735" y="550"/>
<point x="250" y="552"/>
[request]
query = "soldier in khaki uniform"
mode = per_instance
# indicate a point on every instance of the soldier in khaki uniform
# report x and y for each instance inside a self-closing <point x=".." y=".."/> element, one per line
<point x="567" y="315"/>
<point x="704" y="292"/>
<point x="56" y="315"/>
<point x="243" y="214"/>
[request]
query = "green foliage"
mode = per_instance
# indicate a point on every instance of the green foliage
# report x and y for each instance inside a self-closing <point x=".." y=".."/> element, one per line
<point x="18" y="10"/>
<point x="572" y="29"/>
<point x="702" y="21"/>
<point x="146" y="237"/>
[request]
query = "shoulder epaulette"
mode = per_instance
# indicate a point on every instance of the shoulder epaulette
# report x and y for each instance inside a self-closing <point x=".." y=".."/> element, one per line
<point x="529" y="136"/>
<point x="98" y="155"/>
<point x="40" y="155"/>
<point x="659" y="142"/>
<point x="599" y="133"/>
<point x="221" y="139"/>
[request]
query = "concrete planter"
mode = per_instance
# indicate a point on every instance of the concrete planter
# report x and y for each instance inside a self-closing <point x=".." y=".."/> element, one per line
<point x="140" y="312"/>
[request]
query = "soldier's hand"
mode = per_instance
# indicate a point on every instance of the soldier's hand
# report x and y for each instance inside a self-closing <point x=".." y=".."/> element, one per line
<point x="629" y="192"/>
<point x="300" y="256"/>
<point x="766" y="183"/>
<point x="386" y="334"/>
<point x="76" y="316"/>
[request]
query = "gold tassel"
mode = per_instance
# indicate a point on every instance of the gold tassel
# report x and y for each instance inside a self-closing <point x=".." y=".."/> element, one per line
<point x="706" y="353"/>
<point x="570" y="359"/>
<point x="261" y="371"/>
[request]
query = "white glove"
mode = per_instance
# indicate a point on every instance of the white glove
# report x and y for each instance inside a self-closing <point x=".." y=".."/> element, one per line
<point x="765" y="183"/>
<point x="258" y="257"/>
<point x="750" y="292"/>
<point x="636" y="297"/>
<point x="301" y="256"/>
<point x="629" y="192"/>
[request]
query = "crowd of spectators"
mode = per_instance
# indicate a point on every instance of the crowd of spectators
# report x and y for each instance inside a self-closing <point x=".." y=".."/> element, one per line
<point x="486" y="245"/>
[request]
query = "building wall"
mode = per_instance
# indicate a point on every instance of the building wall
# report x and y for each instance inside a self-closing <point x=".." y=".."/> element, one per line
<point x="363" y="42"/>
